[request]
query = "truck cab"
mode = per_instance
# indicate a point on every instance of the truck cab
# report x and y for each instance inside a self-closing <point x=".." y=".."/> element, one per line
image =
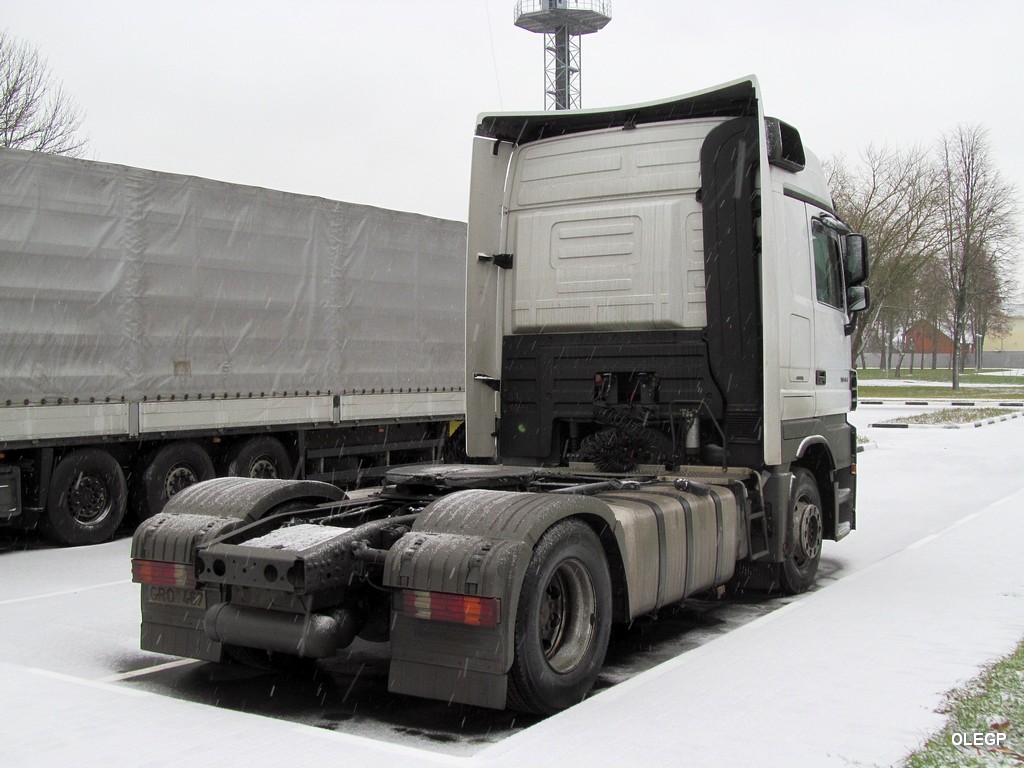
<point x="663" y="284"/>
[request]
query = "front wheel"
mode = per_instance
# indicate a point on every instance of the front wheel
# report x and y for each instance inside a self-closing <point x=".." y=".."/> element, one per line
<point x="563" y="621"/>
<point x="797" y="571"/>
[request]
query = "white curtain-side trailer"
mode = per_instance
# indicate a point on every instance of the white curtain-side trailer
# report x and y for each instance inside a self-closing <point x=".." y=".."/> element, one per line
<point x="157" y="330"/>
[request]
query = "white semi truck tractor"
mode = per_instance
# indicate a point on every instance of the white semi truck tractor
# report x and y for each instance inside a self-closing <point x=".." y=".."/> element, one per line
<point x="659" y="304"/>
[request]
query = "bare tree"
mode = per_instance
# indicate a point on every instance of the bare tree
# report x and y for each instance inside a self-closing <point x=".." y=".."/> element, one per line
<point x="36" y="113"/>
<point x="891" y="197"/>
<point x="977" y="225"/>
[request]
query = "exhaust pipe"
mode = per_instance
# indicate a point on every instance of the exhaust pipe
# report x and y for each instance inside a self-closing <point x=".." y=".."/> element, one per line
<point x="313" y="636"/>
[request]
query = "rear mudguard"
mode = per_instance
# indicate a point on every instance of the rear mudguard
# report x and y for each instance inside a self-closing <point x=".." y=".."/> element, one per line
<point x="472" y="543"/>
<point x="248" y="498"/>
<point x="662" y="544"/>
<point x="193" y="517"/>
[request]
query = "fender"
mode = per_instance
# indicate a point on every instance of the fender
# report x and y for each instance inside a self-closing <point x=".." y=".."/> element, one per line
<point x="248" y="498"/>
<point x="192" y="518"/>
<point x="479" y="543"/>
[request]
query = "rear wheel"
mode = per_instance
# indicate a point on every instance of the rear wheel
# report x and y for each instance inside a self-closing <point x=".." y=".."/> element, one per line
<point x="173" y="468"/>
<point x="87" y="498"/>
<point x="563" y="621"/>
<point x="797" y="571"/>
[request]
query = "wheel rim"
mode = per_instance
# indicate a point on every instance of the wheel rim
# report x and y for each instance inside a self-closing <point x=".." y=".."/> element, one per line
<point x="263" y="467"/>
<point x="566" y="616"/>
<point x="809" y="532"/>
<point x="179" y="478"/>
<point x="89" y="500"/>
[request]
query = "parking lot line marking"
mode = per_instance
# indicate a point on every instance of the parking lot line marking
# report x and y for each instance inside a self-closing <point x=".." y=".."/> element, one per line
<point x="98" y="684"/>
<point x="65" y="592"/>
<point x="921" y="542"/>
<point x="148" y="670"/>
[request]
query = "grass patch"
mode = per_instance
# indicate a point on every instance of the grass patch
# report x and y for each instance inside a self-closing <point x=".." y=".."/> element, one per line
<point x="992" y="706"/>
<point x="952" y="416"/>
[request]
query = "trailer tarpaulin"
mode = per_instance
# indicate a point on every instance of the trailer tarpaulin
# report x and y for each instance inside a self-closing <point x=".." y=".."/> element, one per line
<point x="119" y="282"/>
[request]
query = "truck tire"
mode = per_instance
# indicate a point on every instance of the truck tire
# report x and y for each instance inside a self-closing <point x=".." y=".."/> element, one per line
<point x="797" y="571"/>
<point x="263" y="457"/>
<point x="563" y="621"/>
<point x="173" y="468"/>
<point x="87" y="498"/>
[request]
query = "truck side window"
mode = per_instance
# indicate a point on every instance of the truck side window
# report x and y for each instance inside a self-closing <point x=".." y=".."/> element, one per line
<point x="828" y="276"/>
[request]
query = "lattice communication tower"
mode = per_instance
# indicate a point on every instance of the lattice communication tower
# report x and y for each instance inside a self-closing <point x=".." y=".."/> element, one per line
<point x="562" y="22"/>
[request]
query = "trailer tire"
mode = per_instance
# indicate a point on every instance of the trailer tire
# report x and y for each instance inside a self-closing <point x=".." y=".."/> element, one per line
<point x="563" y="621"/>
<point x="262" y="457"/>
<point x="173" y="468"/>
<point x="797" y="571"/>
<point x="87" y="498"/>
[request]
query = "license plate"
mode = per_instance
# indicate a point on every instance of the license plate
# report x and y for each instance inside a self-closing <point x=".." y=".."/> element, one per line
<point x="186" y="598"/>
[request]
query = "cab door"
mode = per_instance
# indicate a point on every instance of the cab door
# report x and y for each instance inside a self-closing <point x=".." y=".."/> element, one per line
<point x="831" y="345"/>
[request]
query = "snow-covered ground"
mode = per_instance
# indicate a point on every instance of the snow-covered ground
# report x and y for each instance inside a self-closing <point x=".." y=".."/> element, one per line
<point x="927" y="590"/>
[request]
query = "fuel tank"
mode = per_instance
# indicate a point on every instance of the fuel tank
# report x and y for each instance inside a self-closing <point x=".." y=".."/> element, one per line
<point x="676" y="541"/>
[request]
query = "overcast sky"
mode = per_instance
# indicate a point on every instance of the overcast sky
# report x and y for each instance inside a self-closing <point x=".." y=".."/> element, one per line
<point x="375" y="101"/>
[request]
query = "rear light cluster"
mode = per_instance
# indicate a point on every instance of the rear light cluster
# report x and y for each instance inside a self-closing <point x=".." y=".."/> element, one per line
<point x="163" y="574"/>
<point x="457" y="609"/>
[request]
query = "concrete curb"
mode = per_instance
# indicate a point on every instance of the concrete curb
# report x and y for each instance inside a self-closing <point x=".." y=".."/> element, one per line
<point x="952" y="403"/>
<point x="967" y="425"/>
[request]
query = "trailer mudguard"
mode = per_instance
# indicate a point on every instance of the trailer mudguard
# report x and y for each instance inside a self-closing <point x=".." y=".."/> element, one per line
<point x="476" y="543"/>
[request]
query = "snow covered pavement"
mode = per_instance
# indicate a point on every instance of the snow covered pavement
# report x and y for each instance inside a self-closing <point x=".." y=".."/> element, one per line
<point x="849" y="675"/>
<point x="927" y="590"/>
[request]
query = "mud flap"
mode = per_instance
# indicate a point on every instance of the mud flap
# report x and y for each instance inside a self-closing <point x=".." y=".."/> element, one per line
<point x="445" y="660"/>
<point x="172" y="617"/>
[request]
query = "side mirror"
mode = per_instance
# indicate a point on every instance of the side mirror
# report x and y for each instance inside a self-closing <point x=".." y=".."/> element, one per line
<point x="856" y="259"/>
<point x="858" y="298"/>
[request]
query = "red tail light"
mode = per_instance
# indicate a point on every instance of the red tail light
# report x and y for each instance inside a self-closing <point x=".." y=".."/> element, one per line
<point x="163" y="574"/>
<point x="458" y="609"/>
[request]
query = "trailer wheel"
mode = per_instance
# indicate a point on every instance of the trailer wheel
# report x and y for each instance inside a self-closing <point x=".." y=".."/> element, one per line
<point x="263" y="457"/>
<point x="563" y="621"/>
<point x="87" y="498"/>
<point x="797" y="571"/>
<point x="173" y="468"/>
